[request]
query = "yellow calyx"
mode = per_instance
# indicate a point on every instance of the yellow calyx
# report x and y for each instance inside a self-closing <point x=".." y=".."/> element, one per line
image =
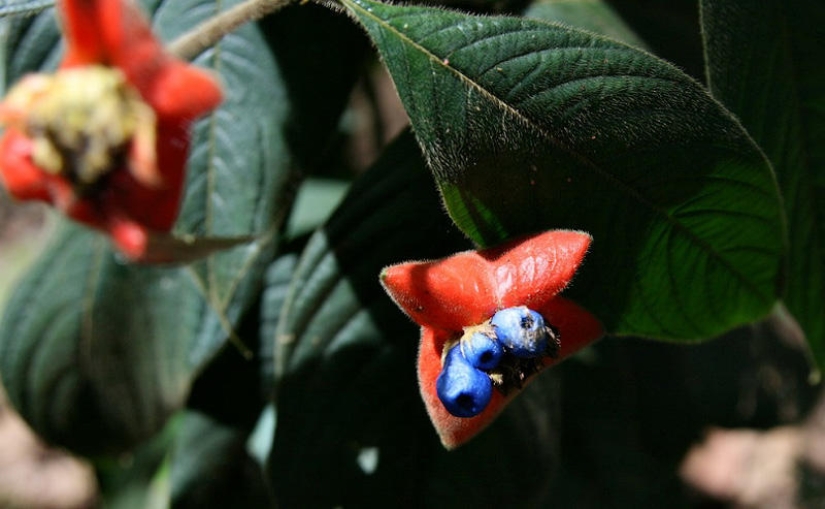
<point x="84" y="123"/>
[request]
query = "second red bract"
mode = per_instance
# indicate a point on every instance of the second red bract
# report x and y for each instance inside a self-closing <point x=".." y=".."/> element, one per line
<point x="466" y="289"/>
<point x="116" y="161"/>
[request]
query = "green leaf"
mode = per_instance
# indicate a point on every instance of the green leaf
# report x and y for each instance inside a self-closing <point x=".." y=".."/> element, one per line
<point x="530" y="126"/>
<point x="211" y="468"/>
<point x="92" y="352"/>
<point x="97" y="354"/>
<point x="228" y="389"/>
<point x="27" y="44"/>
<point x="765" y="63"/>
<point x="23" y="7"/>
<point x="315" y="201"/>
<point x="276" y="289"/>
<point x="594" y="15"/>
<point x="139" y="479"/>
<point x="238" y="174"/>
<point x="349" y="412"/>
<point x="210" y="465"/>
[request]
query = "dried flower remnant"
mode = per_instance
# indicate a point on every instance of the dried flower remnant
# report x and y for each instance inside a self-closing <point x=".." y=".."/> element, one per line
<point x="455" y="299"/>
<point x="105" y="139"/>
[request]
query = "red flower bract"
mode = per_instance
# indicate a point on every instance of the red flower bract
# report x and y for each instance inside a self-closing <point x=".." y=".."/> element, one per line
<point x="446" y="296"/>
<point x="106" y="138"/>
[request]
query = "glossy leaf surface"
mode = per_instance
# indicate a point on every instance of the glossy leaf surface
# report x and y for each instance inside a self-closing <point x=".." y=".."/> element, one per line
<point x="529" y="126"/>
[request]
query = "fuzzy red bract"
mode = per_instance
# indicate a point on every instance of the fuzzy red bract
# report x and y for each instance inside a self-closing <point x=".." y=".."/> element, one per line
<point x="445" y="296"/>
<point x="139" y="192"/>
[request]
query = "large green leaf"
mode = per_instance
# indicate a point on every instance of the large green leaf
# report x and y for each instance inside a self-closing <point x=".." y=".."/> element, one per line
<point x="86" y="357"/>
<point x="529" y="126"/>
<point x="764" y="61"/>
<point x="95" y="353"/>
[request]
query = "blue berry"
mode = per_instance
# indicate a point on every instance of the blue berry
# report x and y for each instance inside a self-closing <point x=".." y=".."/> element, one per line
<point x="522" y="331"/>
<point x="482" y="351"/>
<point x="464" y="390"/>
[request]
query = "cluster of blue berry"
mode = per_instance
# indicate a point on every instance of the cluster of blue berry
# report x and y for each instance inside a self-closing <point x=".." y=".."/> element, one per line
<point x="501" y="353"/>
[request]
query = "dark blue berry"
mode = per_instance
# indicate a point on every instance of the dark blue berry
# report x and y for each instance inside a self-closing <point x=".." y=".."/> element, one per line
<point x="482" y="351"/>
<point x="522" y="331"/>
<point x="464" y="390"/>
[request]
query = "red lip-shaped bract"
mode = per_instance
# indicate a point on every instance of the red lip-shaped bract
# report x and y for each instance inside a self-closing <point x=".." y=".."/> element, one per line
<point x="139" y="194"/>
<point x="466" y="289"/>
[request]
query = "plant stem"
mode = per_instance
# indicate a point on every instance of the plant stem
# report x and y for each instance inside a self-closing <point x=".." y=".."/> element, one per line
<point x="205" y="35"/>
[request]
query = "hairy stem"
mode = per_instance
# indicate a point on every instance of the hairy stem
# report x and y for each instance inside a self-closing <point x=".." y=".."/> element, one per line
<point x="205" y="35"/>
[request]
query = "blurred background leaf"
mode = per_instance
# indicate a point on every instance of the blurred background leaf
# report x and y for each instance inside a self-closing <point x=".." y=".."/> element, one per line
<point x="96" y="353"/>
<point x="764" y="62"/>
<point x="88" y="356"/>
<point x="23" y="7"/>
<point x="212" y="468"/>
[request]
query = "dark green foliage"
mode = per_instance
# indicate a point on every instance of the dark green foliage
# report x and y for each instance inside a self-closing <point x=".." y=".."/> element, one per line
<point x="703" y="202"/>
<point x="764" y="62"/>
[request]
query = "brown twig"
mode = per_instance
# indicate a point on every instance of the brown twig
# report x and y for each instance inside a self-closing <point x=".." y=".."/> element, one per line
<point x="205" y="35"/>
